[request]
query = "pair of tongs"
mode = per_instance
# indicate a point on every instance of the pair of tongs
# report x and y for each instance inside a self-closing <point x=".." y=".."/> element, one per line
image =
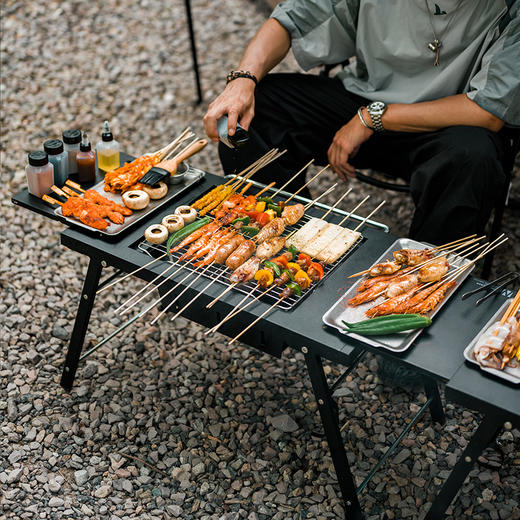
<point x="506" y="279"/>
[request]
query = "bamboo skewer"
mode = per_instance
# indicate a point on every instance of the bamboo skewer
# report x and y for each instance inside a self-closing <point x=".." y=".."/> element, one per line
<point x="130" y="274"/>
<point x="307" y="183"/>
<point x="362" y="223"/>
<point x="50" y="200"/>
<point x="326" y="192"/>
<point x="199" y="274"/>
<point x="263" y="190"/>
<point x="59" y="192"/>
<point x="74" y="185"/>
<point x="513" y="308"/>
<point x="292" y="179"/>
<point x="275" y="304"/>
<point x="210" y="304"/>
<point x="336" y="204"/>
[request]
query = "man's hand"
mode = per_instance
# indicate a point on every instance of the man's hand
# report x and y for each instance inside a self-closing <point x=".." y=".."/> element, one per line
<point x="237" y="101"/>
<point x="346" y="144"/>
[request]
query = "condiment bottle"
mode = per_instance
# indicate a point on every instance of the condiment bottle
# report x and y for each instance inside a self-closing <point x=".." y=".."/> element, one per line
<point x="107" y="150"/>
<point x="59" y="159"/>
<point x="40" y="174"/>
<point x="71" y="140"/>
<point x="86" y="161"/>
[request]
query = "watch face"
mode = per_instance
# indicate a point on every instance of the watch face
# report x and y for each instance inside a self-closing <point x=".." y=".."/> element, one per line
<point x="377" y="106"/>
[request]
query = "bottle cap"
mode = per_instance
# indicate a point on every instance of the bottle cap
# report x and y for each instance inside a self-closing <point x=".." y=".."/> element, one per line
<point x="106" y="135"/>
<point x="71" y="136"/>
<point x="53" y="146"/>
<point x="38" y="158"/>
<point x="85" y="144"/>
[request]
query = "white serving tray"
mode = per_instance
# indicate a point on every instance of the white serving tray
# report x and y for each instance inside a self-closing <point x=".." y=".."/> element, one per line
<point x="509" y="374"/>
<point x="398" y="342"/>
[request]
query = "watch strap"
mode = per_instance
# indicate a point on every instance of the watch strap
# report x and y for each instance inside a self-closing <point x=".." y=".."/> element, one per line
<point x="376" y="117"/>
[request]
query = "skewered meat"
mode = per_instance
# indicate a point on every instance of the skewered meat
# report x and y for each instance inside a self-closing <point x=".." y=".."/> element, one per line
<point x="211" y="251"/>
<point x="384" y="268"/>
<point x="390" y="306"/>
<point x="402" y="285"/>
<point x="244" y="251"/>
<point x="284" y="277"/>
<point x="368" y="295"/>
<point x="418" y="298"/>
<point x="208" y="228"/>
<point x="291" y="214"/>
<point x="272" y="229"/>
<point x="270" y="247"/>
<point x="434" y="271"/>
<point x="306" y="233"/>
<point x="490" y="345"/>
<point x="412" y="257"/>
<point x="214" y="239"/>
<point x="434" y="299"/>
<point x="246" y="271"/>
<point x="89" y="213"/>
<point x="96" y="197"/>
<point x="226" y="249"/>
<point x="369" y="282"/>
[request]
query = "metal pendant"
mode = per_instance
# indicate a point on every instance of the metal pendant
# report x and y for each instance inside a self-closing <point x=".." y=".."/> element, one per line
<point x="435" y="46"/>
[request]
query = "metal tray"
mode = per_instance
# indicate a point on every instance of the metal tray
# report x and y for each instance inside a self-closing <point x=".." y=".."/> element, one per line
<point x="191" y="176"/>
<point x="398" y="342"/>
<point x="509" y="374"/>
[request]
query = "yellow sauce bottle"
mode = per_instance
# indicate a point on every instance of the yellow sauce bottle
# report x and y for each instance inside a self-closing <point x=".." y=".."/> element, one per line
<point x="107" y="150"/>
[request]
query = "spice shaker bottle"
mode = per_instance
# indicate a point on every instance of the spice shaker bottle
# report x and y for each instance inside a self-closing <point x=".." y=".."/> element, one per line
<point x="71" y="140"/>
<point x="59" y="158"/>
<point x="107" y="150"/>
<point x="40" y="174"/>
<point x="86" y="161"/>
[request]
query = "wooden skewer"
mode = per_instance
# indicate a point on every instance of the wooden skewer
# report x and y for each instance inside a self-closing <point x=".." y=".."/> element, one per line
<point x="326" y="192"/>
<point x="151" y="283"/>
<point x="59" y="192"/>
<point x="50" y="200"/>
<point x="210" y="304"/>
<point x="245" y="188"/>
<point x="512" y="309"/>
<point x="355" y="209"/>
<point x="307" y="183"/>
<point x="245" y="170"/>
<point x="263" y="190"/>
<point x="130" y="274"/>
<point x="199" y="274"/>
<point x="292" y="179"/>
<point x="74" y="185"/>
<point x="362" y="223"/>
<point x="163" y="152"/>
<point x="336" y="204"/>
<point x="275" y="304"/>
<point x="446" y="246"/>
<point x="70" y="192"/>
<point x="173" y="150"/>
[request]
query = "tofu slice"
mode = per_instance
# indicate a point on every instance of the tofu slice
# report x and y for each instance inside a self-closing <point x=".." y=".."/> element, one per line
<point x="339" y="246"/>
<point x="322" y="240"/>
<point x="306" y="233"/>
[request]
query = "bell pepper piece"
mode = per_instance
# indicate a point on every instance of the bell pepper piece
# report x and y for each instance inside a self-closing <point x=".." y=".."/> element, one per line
<point x="245" y="220"/>
<point x="295" y="288"/>
<point x="260" y="206"/>
<point x="317" y="267"/>
<point x="277" y="209"/>
<point x="302" y="257"/>
<point x="289" y="274"/>
<point x="271" y="213"/>
<point x="292" y="249"/>
<point x="266" y="275"/>
<point x="250" y="230"/>
<point x="302" y="279"/>
<point x="281" y="260"/>
<point x="267" y="200"/>
<point x="293" y="265"/>
<point x="263" y="219"/>
<point x="274" y="267"/>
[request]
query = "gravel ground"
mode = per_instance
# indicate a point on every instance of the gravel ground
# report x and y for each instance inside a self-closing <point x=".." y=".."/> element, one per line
<point x="163" y="424"/>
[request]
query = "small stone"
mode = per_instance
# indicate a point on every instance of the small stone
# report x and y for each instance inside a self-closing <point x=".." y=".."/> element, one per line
<point x="285" y="423"/>
<point x="14" y="475"/>
<point x="81" y="477"/>
<point x="60" y="332"/>
<point x="54" y="486"/>
<point x="402" y="456"/>
<point x="199" y="469"/>
<point x="103" y="491"/>
<point x="56" y="502"/>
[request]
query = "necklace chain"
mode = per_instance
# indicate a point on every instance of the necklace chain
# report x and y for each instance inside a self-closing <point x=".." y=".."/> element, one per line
<point x="436" y="44"/>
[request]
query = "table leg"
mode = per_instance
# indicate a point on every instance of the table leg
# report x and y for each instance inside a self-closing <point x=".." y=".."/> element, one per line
<point x="436" y="410"/>
<point x="193" y="51"/>
<point x="336" y="445"/>
<point x="483" y="436"/>
<point x="77" y="338"/>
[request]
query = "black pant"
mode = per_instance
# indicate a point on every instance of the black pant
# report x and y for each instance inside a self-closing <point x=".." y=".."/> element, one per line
<point x="455" y="173"/>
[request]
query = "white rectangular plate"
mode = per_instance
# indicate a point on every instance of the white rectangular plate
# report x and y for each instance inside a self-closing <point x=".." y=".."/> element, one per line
<point x="398" y="342"/>
<point x="509" y="374"/>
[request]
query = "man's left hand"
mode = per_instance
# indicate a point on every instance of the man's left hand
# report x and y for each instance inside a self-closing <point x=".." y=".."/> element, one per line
<point x="346" y="144"/>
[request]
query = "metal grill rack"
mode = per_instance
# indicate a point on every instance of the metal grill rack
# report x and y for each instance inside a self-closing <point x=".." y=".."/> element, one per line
<point x="221" y="273"/>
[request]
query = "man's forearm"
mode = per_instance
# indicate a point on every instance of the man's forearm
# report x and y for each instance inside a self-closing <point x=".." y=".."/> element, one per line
<point x="267" y="48"/>
<point x="440" y="113"/>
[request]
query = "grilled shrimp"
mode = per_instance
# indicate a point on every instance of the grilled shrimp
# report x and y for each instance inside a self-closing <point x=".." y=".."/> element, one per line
<point x="391" y="306"/>
<point x="291" y="214"/>
<point x="388" y="278"/>
<point x="434" y="299"/>
<point x="272" y="229"/>
<point x="270" y="247"/>
<point x="212" y="251"/>
<point x="208" y="228"/>
<point x="246" y="271"/>
<point x="384" y="268"/>
<point x="201" y="242"/>
<point x="402" y="285"/>
<point x="434" y="271"/>
<point x="411" y="257"/>
<point x="214" y="239"/>
<point x="368" y="295"/>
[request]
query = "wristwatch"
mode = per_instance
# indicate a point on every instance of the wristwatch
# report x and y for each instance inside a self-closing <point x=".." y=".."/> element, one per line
<point x="376" y="109"/>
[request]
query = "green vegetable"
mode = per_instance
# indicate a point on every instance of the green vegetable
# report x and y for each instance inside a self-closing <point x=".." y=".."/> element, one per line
<point x="291" y="276"/>
<point x="245" y="220"/>
<point x="293" y="251"/>
<point x="250" y="230"/>
<point x="185" y="231"/>
<point x="277" y="209"/>
<point x="389" y="324"/>
<point x="274" y="267"/>
<point x="267" y="200"/>
<point x="295" y="288"/>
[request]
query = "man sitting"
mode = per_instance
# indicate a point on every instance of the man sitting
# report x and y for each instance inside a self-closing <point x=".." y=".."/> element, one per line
<point x="425" y="99"/>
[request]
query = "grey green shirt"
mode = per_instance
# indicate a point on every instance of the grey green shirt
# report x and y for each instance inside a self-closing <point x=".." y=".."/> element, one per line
<point x="480" y="53"/>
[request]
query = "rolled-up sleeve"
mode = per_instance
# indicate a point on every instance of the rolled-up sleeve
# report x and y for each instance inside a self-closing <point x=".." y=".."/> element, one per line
<point x="496" y="86"/>
<point x="322" y="32"/>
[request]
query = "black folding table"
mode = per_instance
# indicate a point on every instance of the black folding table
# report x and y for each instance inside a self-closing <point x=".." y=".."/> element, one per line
<point x="437" y="354"/>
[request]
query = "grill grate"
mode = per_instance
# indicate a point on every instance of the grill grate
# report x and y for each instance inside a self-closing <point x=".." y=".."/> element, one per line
<point x="222" y="273"/>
